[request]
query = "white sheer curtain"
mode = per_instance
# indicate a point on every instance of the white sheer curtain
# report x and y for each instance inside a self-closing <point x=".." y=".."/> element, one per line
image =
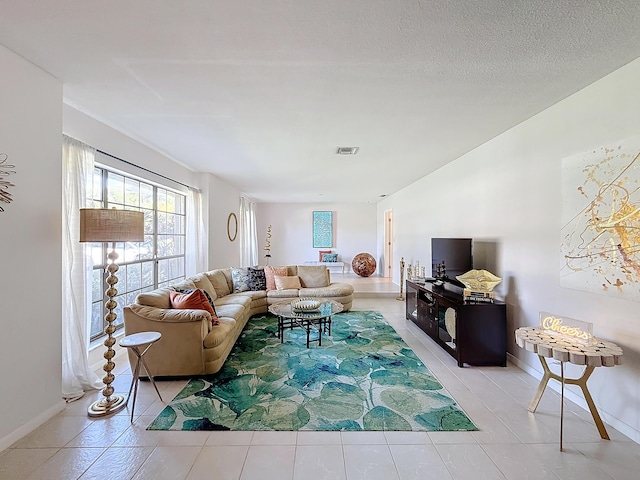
<point x="196" y="257"/>
<point x="77" y="376"/>
<point x="248" y="233"/>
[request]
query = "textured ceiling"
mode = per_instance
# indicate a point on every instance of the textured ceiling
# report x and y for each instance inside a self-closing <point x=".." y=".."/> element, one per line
<point x="260" y="93"/>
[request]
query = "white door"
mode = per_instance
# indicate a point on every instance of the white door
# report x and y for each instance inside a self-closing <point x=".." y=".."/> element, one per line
<point x="388" y="244"/>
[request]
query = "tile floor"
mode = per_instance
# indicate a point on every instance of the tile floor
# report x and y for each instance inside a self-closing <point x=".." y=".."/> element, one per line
<point x="511" y="443"/>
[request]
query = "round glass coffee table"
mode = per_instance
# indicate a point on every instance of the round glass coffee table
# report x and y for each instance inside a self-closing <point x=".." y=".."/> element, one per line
<point x="318" y="320"/>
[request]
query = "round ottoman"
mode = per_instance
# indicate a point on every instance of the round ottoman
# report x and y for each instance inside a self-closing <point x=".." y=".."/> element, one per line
<point x="363" y="264"/>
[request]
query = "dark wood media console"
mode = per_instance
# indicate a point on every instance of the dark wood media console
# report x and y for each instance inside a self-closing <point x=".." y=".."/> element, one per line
<point x="472" y="332"/>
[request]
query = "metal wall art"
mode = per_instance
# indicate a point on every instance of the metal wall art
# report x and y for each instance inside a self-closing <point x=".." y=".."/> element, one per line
<point x="5" y="171"/>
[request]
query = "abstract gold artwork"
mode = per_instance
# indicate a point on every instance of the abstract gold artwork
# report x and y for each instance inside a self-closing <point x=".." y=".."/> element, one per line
<point x="601" y="220"/>
<point x="5" y="171"/>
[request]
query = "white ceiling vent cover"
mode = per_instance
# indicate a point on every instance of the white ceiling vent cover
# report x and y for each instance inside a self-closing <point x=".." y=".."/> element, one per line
<point x="347" y="150"/>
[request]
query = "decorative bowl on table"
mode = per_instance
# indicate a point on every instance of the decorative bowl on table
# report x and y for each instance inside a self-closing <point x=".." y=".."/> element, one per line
<point x="305" y="305"/>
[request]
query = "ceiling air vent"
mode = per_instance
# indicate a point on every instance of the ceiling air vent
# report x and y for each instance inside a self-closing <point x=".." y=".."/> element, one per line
<point x="347" y="150"/>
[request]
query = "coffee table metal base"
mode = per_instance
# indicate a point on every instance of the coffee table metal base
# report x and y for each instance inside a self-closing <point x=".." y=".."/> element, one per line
<point x="321" y="325"/>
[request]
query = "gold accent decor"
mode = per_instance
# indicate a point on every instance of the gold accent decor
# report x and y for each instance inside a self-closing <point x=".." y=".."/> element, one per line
<point x="450" y="322"/>
<point x="232" y="225"/>
<point x="401" y="296"/>
<point x="5" y="171"/>
<point x="110" y="225"/>
<point x="267" y="246"/>
<point x="479" y="280"/>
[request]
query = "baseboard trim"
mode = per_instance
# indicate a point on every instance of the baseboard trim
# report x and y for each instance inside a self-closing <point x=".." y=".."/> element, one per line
<point x="32" y="424"/>
<point x="374" y="295"/>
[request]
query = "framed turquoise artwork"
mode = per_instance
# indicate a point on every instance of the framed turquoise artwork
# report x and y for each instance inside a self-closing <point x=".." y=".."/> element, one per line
<point x="322" y="229"/>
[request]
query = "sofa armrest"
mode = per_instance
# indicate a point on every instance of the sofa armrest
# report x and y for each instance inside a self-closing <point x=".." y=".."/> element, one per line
<point x="170" y="315"/>
<point x="180" y="351"/>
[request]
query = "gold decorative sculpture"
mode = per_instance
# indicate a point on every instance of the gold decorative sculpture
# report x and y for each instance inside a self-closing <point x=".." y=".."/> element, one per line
<point x="479" y="280"/>
<point x="267" y="247"/>
<point x="479" y="285"/>
<point x="401" y="296"/>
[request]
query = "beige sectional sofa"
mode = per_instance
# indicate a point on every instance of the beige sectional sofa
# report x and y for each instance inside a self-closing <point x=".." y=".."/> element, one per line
<point x="190" y="344"/>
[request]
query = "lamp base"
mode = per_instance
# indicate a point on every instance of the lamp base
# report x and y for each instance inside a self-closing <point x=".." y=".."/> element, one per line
<point x="102" y="407"/>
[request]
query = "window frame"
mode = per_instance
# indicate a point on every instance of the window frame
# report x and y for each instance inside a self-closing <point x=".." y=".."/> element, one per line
<point x="160" y="260"/>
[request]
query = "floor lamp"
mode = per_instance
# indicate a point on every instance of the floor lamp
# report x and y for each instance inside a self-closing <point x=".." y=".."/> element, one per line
<point x="110" y="225"/>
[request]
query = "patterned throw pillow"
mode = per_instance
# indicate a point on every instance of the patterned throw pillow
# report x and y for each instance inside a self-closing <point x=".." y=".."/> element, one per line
<point x="195" y="299"/>
<point x="321" y="253"/>
<point x="257" y="279"/>
<point x="270" y="272"/>
<point x="329" y="257"/>
<point x="240" y="279"/>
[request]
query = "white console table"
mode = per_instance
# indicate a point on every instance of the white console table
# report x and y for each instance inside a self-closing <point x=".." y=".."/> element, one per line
<point x="327" y="264"/>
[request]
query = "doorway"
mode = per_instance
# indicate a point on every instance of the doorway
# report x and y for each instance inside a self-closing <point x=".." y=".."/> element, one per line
<point x="388" y="244"/>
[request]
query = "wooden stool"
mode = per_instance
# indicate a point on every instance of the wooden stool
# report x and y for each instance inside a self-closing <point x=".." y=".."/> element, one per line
<point x="134" y="342"/>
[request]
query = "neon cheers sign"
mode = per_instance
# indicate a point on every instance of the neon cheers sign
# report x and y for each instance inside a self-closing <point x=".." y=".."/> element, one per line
<point x="575" y="329"/>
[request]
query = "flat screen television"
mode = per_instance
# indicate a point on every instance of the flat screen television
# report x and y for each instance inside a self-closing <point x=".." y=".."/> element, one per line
<point x="453" y="256"/>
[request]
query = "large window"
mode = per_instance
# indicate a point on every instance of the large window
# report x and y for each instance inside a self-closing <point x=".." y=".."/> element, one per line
<point x="144" y="266"/>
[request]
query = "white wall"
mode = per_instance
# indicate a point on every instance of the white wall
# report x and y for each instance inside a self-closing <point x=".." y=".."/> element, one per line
<point x="225" y="199"/>
<point x="30" y="246"/>
<point x="508" y="191"/>
<point x="354" y="231"/>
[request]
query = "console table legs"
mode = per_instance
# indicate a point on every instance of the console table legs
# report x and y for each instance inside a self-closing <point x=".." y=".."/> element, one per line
<point x="581" y="382"/>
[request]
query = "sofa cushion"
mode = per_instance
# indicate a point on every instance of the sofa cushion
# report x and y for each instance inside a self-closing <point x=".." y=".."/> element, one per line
<point x="201" y="281"/>
<point x="243" y="299"/>
<point x="240" y="277"/>
<point x="288" y="293"/>
<point x="193" y="300"/>
<point x="219" y="282"/>
<point x="312" y="276"/>
<point x="157" y="298"/>
<point x="220" y="333"/>
<point x="232" y="310"/>
<point x="337" y="289"/>
<point x="257" y="279"/>
<point x="270" y="272"/>
<point x="284" y="282"/>
<point x="183" y="284"/>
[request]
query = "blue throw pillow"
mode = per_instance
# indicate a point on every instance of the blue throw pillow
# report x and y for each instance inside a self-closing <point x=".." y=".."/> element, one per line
<point x="329" y="257"/>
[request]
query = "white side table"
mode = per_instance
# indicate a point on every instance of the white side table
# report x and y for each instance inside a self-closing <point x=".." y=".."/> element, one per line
<point x="135" y="342"/>
<point x="548" y="345"/>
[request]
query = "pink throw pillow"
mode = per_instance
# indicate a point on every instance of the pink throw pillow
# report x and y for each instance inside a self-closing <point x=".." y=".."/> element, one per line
<point x="322" y="252"/>
<point x="270" y="272"/>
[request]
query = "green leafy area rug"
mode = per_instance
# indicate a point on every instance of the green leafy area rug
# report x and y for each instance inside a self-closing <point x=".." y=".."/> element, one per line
<point x="363" y="377"/>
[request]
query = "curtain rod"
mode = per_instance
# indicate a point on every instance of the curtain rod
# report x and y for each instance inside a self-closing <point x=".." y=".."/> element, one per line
<point x="145" y="169"/>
